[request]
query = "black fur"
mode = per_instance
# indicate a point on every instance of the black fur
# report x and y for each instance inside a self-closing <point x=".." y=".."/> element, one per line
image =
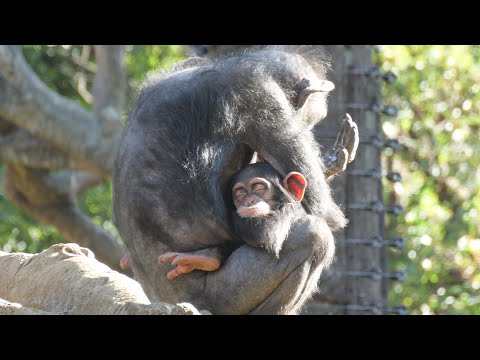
<point x="190" y="130"/>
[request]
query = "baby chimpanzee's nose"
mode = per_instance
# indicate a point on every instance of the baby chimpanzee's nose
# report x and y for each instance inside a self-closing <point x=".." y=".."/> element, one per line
<point x="249" y="201"/>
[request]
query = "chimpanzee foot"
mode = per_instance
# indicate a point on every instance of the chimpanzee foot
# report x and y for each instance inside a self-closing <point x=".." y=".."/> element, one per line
<point x="187" y="262"/>
<point x="344" y="150"/>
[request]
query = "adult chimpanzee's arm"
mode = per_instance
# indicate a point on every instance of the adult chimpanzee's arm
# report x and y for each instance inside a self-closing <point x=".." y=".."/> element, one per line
<point x="297" y="150"/>
<point x="253" y="281"/>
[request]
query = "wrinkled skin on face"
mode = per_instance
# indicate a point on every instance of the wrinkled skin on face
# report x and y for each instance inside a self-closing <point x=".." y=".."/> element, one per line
<point x="253" y="198"/>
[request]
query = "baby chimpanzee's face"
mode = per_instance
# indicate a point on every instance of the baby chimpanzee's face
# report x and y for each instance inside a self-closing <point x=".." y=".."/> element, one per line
<point x="253" y="197"/>
<point x="258" y="190"/>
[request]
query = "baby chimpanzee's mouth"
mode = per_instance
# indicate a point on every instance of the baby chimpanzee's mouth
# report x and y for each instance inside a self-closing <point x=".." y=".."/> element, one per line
<point x="257" y="210"/>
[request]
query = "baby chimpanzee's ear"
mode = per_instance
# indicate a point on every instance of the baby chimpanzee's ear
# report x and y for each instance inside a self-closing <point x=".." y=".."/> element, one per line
<point x="295" y="184"/>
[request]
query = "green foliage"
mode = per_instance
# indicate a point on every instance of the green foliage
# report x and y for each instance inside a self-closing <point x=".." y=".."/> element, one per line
<point x="141" y="59"/>
<point x="20" y="233"/>
<point x="63" y="68"/>
<point x="97" y="203"/>
<point x="438" y="93"/>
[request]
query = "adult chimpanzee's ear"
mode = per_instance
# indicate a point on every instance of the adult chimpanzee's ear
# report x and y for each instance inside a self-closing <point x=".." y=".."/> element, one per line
<point x="308" y="87"/>
<point x="295" y="184"/>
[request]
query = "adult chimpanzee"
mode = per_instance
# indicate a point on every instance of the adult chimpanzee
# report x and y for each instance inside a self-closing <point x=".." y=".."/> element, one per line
<point x="189" y="132"/>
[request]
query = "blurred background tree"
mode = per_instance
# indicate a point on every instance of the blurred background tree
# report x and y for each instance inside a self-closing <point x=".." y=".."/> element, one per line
<point x="438" y="92"/>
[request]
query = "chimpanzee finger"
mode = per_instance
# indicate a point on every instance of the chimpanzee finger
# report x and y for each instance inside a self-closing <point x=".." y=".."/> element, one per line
<point x="342" y="159"/>
<point x="340" y="136"/>
<point x="182" y="260"/>
<point x="179" y="270"/>
<point x="167" y="257"/>
<point x="343" y="132"/>
<point x="347" y="126"/>
<point x="339" y="165"/>
<point x="353" y="141"/>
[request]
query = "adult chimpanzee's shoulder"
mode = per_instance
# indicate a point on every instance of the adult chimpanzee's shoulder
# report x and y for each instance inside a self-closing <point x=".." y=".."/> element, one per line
<point x="167" y="93"/>
<point x="164" y="83"/>
<point x="155" y="77"/>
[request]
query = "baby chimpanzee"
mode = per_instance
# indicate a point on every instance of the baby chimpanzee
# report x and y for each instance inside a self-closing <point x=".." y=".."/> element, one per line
<point x="266" y="206"/>
<point x="268" y="212"/>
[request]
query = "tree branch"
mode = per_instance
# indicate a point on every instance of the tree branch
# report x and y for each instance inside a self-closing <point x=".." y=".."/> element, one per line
<point x="28" y="103"/>
<point x="41" y="130"/>
<point x="66" y="279"/>
<point x="33" y="192"/>
<point x="8" y="308"/>
<point x="81" y="60"/>
<point x="110" y="81"/>
<point x="19" y="146"/>
<point x="77" y="182"/>
<point x="5" y="126"/>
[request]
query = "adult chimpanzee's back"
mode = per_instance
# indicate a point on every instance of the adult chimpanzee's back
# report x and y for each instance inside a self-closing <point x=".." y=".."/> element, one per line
<point x="190" y="130"/>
